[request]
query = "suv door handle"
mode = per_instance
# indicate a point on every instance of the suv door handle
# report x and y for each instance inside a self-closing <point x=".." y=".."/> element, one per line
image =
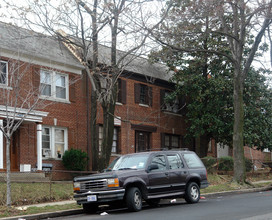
<point x="166" y="174"/>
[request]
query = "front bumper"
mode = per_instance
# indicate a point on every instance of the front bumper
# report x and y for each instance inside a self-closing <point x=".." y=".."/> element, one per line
<point x="102" y="196"/>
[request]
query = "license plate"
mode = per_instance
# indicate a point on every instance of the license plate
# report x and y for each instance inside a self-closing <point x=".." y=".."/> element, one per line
<point x="92" y="198"/>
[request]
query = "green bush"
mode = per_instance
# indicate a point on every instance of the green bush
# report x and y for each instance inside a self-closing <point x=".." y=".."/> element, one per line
<point x="75" y="159"/>
<point x="225" y="164"/>
<point x="209" y="163"/>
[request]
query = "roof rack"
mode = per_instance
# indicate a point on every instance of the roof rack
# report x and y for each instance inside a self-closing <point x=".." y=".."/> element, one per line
<point x="163" y="149"/>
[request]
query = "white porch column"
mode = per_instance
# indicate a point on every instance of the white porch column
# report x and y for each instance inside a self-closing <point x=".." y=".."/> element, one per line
<point x="39" y="147"/>
<point x="1" y="147"/>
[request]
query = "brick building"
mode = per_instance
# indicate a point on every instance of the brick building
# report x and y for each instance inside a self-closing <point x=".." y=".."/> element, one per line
<point x="143" y="121"/>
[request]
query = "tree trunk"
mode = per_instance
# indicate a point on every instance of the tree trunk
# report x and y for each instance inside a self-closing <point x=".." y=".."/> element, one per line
<point x="8" y="172"/>
<point x="108" y="128"/>
<point x="238" y="129"/>
<point x="93" y="131"/>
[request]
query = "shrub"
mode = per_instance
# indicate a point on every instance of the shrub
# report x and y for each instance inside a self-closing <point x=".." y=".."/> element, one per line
<point x="209" y="163"/>
<point x="225" y="164"/>
<point x="75" y="159"/>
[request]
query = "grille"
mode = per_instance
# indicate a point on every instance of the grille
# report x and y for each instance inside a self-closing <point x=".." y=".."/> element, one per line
<point x="92" y="185"/>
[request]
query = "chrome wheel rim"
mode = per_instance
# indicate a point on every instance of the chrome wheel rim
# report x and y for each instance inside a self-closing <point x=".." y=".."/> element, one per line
<point x="194" y="193"/>
<point x="137" y="199"/>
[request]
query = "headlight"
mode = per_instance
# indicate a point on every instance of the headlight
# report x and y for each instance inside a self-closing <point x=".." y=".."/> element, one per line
<point x="113" y="182"/>
<point x="76" y="186"/>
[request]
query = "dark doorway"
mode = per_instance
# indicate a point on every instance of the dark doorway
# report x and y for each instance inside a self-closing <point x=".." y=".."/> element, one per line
<point x="14" y="151"/>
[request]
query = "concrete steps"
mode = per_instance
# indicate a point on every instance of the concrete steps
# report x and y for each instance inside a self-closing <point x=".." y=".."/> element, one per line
<point x="24" y="177"/>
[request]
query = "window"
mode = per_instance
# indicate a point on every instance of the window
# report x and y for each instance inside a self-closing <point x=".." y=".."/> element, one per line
<point x="143" y="94"/>
<point x="54" y="85"/>
<point x="192" y="161"/>
<point x="114" y="148"/>
<point x="54" y="142"/>
<point x="172" y="103"/>
<point x="170" y="141"/>
<point x="160" y="161"/>
<point x="175" y="161"/>
<point x="3" y="73"/>
<point x="142" y="141"/>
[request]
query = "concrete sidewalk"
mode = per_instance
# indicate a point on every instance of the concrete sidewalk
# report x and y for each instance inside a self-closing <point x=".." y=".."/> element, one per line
<point x="80" y="210"/>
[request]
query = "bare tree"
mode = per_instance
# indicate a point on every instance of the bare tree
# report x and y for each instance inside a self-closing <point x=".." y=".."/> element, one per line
<point x="239" y="27"/>
<point x="85" y="26"/>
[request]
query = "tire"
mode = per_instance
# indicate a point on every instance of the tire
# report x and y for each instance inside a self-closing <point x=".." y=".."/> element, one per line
<point x="192" y="193"/>
<point x="90" y="208"/>
<point x="153" y="202"/>
<point x="134" y="199"/>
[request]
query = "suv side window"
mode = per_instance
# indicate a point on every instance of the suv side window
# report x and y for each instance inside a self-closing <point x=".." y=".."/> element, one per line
<point x="192" y="160"/>
<point x="175" y="162"/>
<point x="160" y="161"/>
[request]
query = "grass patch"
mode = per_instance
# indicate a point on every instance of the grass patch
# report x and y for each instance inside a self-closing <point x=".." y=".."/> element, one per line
<point x="220" y="183"/>
<point x="32" y="193"/>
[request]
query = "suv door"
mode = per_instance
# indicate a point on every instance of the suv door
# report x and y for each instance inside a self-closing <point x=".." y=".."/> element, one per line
<point x="177" y="172"/>
<point x="158" y="178"/>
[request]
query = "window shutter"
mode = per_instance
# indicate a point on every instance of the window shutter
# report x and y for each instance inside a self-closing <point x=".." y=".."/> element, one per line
<point x="124" y="91"/>
<point x="150" y="98"/>
<point x="72" y="89"/>
<point x="36" y="79"/>
<point x="137" y="93"/>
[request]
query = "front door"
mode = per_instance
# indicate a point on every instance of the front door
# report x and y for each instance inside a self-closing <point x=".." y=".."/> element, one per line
<point x="14" y="151"/>
<point x="142" y="141"/>
<point x="158" y="178"/>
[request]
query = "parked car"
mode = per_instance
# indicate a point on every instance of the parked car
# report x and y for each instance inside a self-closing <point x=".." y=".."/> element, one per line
<point x="148" y="176"/>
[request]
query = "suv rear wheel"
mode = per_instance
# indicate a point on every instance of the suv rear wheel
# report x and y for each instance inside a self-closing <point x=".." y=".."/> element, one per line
<point x="192" y="194"/>
<point x="134" y="199"/>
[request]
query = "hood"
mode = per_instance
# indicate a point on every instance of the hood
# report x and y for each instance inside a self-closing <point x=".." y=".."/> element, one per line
<point x="98" y="176"/>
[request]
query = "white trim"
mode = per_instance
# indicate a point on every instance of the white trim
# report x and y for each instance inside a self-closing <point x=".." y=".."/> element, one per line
<point x="18" y="113"/>
<point x="1" y="147"/>
<point x="39" y="147"/>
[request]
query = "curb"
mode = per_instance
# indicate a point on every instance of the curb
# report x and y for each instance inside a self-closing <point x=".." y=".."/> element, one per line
<point x="80" y="211"/>
<point x="47" y="215"/>
<point x="239" y="191"/>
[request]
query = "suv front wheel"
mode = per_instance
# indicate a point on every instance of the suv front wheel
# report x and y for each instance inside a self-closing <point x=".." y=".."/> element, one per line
<point x="134" y="199"/>
<point x="192" y="194"/>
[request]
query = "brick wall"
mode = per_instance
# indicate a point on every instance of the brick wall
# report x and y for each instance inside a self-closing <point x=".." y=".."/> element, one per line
<point x="73" y="116"/>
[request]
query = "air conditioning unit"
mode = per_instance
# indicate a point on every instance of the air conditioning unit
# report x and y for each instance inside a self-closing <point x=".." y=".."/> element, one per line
<point x="46" y="152"/>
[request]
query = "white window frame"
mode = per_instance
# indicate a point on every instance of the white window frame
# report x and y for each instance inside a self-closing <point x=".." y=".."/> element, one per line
<point x="52" y="141"/>
<point x="100" y="138"/>
<point x="53" y="78"/>
<point x="6" y="83"/>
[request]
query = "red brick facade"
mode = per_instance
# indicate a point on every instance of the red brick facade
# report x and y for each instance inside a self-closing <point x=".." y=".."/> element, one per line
<point x="72" y="115"/>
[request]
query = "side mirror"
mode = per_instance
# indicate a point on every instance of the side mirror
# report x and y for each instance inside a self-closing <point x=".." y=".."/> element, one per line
<point x="152" y="167"/>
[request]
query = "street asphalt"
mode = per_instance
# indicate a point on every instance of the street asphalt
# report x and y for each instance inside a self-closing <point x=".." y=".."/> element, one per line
<point x="80" y="211"/>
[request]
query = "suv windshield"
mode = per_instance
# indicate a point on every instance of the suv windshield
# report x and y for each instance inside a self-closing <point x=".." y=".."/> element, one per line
<point x="131" y="162"/>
